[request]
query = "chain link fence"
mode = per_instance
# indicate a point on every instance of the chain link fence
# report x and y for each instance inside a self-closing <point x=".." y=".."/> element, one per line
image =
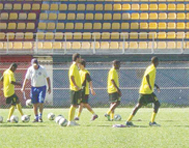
<point x="172" y="77"/>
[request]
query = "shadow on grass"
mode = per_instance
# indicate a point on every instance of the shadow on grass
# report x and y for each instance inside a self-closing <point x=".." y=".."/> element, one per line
<point x="18" y="125"/>
<point x="181" y="126"/>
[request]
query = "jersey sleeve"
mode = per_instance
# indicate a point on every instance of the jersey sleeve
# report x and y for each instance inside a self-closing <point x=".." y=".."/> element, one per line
<point x="28" y="74"/>
<point x="88" y="77"/>
<point x="72" y="71"/>
<point x="112" y="75"/>
<point x="45" y="73"/>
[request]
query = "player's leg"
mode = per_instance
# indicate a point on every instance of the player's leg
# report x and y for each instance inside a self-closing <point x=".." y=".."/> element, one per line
<point x="12" y="108"/>
<point x="18" y="105"/>
<point x="34" y="100"/>
<point x="94" y="116"/>
<point x="79" y="112"/>
<point x="41" y="98"/>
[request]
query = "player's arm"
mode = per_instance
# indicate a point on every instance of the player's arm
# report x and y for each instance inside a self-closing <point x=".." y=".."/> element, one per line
<point x="24" y="85"/>
<point x="49" y="85"/>
<point x="16" y="83"/>
<point x="1" y="84"/>
<point x="73" y="81"/>
<point x="148" y="81"/>
<point x="157" y="87"/>
<point x="88" y="78"/>
<point x="118" y="90"/>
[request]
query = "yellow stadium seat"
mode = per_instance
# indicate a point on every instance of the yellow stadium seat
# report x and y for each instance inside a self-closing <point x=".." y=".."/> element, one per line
<point x="187" y="16"/>
<point x="152" y="45"/>
<point x="162" y="7"/>
<point x="125" y="16"/>
<point x="45" y="7"/>
<point x="47" y="45"/>
<point x="153" y="7"/>
<point x="133" y="45"/>
<point x="63" y="7"/>
<point x="76" y="45"/>
<point x="152" y="35"/>
<point x="54" y="7"/>
<point x="58" y="36"/>
<point x="153" y="16"/>
<point x="21" y="26"/>
<point x="40" y="36"/>
<point x="123" y="45"/>
<point x="4" y="16"/>
<point x="17" y="45"/>
<point x="8" y="45"/>
<point x="104" y="45"/>
<point x="10" y="35"/>
<point x="11" y="26"/>
<point x="98" y="16"/>
<point x="66" y="45"/>
<point x="115" y="25"/>
<point x="143" y="35"/>
<point x="126" y="7"/>
<point x="135" y="6"/>
<point x="81" y="7"/>
<point x="71" y="16"/>
<point x="135" y="16"/>
<point x="171" y="7"/>
<point x="106" y="26"/>
<point x="171" y="45"/>
<point x="124" y="25"/>
<point x="152" y="25"/>
<point x="107" y="16"/>
<point x="187" y="35"/>
<point x="162" y="35"/>
<point x="52" y="16"/>
<point x="171" y="35"/>
<point x="78" y="26"/>
<point x="114" y="45"/>
<point x="80" y="16"/>
<point x="134" y="26"/>
<point x="49" y="36"/>
<point x="116" y="7"/>
<point x="144" y="7"/>
<point x="42" y="26"/>
<point x="35" y="6"/>
<point x="43" y="16"/>
<point x="90" y="7"/>
<point x="17" y="7"/>
<point x="133" y="35"/>
<point x="171" y="16"/>
<point x="180" y="7"/>
<point x="162" y="16"/>
<point x="161" y="45"/>
<point x="124" y="35"/>
<point x="7" y="6"/>
<point x="77" y="36"/>
<point x="62" y="16"/>
<point x="3" y="26"/>
<point x="180" y="35"/>
<point x="143" y="16"/>
<point x="28" y="35"/>
<point x="171" y="25"/>
<point x="180" y="25"/>
<point x="144" y="25"/>
<point x="105" y="35"/>
<point x="115" y="35"/>
<point x="180" y="16"/>
<point x="1" y="6"/>
<point x="142" y="45"/>
<point x="162" y="25"/>
<point x="69" y="26"/>
<point x="72" y="7"/>
<point x="187" y="6"/>
<point x="26" y="6"/>
<point x="117" y="16"/>
<point x="22" y="16"/>
<point x="32" y="16"/>
<point x="27" y="45"/>
<point x="99" y="7"/>
<point x="85" y="45"/>
<point x="57" y="45"/>
<point x="86" y="36"/>
<point x="88" y="26"/>
<point x="89" y="16"/>
<point x="96" y="35"/>
<point x="60" y="26"/>
<point x="108" y="7"/>
<point x="187" y="25"/>
<point x="97" y="26"/>
<point x="2" y="35"/>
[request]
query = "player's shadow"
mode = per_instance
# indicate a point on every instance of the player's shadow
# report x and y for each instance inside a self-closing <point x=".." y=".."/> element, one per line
<point x="14" y="125"/>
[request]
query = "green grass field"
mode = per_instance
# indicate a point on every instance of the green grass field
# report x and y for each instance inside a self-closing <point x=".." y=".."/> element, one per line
<point x="173" y="133"/>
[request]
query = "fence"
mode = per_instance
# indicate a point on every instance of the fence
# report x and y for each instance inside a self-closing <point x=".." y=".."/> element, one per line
<point x="95" y="43"/>
<point x="172" y="77"/>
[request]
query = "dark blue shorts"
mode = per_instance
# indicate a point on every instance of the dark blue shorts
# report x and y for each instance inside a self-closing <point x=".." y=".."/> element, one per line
<point x="38" y="94"/>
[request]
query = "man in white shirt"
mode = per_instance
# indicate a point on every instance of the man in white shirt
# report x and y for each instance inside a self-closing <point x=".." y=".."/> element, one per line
<point x="38" y="76"/>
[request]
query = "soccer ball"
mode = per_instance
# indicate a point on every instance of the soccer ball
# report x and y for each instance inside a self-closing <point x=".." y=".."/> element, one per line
<point x="25" y="118"/>
<point x="51" y="116"/>
<point x="14" y="119"/>
<point x="28" y="103"/>
<point x="1" y="119"/>
<point x="58" y="118"/>
<point x="63" y="122"/>
<point x="117" y="117"/>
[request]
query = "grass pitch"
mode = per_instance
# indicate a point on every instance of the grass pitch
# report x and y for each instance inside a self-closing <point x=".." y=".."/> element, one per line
<point x="173" y="133"/>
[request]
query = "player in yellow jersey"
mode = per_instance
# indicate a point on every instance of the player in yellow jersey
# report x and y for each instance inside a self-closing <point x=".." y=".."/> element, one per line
<point x="9" y="82"/>
<point x="113" y="89"/>
<point x="75" y="88"/>
<point x="86" y="83"/>
<point x="147" y="93"/>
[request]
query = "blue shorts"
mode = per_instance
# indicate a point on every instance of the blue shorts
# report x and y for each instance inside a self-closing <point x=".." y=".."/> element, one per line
<point x="38" y="94"/>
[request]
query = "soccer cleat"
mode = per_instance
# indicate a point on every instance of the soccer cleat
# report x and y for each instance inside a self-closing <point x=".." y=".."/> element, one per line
<point x="72" y="123"/>
<point x="154" y="124"/>
<point x="129" y="123"/>
<point x="76" y="118"/>
<point x="107" y="116"/>
<point x="40" y="120"/>
<point x="35" y="120"/>
<point x="94" y="117"/>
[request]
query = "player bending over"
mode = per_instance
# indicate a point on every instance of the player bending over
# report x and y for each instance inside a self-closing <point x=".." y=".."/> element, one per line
<point x="146" y="93"/>
<point x="86" y="83"/>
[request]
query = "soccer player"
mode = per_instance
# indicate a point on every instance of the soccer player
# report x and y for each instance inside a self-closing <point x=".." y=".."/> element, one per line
<point x="86" y="83"/>
<point x="113" y="89"/>
<point x="146" y="92"/>
<point x="9" y="82"/>
<point x="38" y="76"/>
<point x="75" y="88"/>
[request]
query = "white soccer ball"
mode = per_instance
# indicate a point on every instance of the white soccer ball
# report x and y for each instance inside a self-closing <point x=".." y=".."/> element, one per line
<point x="14" y="119"/>
<point x="25" y="118"/>
<point x="58" y="118"/>
<point x="117" y="117"/>
<point x="51" y="116"/>
<point x="63" y="122"/>
<point x="1" y="119"/>
<point x="28" y="103"/>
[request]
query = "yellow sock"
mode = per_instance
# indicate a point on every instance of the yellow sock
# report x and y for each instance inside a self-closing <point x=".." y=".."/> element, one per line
<point x="19" y="107"/>
<point x="153" y="117"/>
<point x="112" y="116"/>
<point x="130" y="118"/>
<point x="109" y="112"/>
<point x="92" y="112"/>
<point x="79" y="113"/>
<point x="11" y="111"/>
<point x="71" y="113"/>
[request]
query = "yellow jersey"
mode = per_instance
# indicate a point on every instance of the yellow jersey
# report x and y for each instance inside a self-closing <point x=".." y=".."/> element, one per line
<point x="8" y="88"/>
<point x="144" y="88"/>
<point x="85" y="80"/>
<point x="74" y="71"/>
<point x="113" y="75"/>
